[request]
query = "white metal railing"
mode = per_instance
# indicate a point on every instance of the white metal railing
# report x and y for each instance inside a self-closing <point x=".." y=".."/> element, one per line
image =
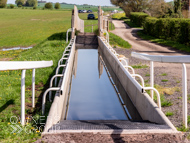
<point x="168" y="59"/>
<point x="133" y="75"/>
<point x="67" y="35"/>
<point x="23" y="65"/>
<point x="65" y="57"/>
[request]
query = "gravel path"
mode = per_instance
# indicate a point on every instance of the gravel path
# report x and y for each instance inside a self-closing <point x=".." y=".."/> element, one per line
<point x="172" y="72"/>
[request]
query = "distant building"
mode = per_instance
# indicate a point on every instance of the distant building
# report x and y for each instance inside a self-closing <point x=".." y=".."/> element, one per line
<point x="41" y="1"/>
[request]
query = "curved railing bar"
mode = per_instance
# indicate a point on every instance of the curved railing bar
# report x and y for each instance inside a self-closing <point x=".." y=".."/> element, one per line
<point x="139" y="76"/>
<point x="67" y="35"/>
<point x="44" y="97"/>
<point x="126" y="67"/>
<point x="51" y="84"/>
<point x="157" y="93"/>
<point x="57" y="71"/>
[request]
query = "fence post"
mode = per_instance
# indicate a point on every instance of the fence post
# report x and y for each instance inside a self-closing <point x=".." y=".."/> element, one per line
<point x="152" y="78"/>
<point x="184" y="90"/>
<point x="33" y="88"/>
<point x="23" y="97"/>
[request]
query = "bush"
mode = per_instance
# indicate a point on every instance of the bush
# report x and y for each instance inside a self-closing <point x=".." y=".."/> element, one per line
<point x="12" y="6"/>
<point x="3" y="3"/>
<point x="48" y="5"/>
<point x="34" y="7"/>
<point x="175" y="29"/>
<point x="119" y="16"/>
<point x="57" y="6"/>
<point x="138" y="18"/>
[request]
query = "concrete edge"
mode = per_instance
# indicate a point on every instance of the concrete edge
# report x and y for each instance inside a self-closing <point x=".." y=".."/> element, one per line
<point x="121" y="132"/>
<point x="159" y="116"/>
<point x="55" y="112"/>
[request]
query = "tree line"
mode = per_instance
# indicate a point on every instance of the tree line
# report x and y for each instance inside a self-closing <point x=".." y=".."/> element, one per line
<point x="29" y="3"/>
<point x="156" y="8"/>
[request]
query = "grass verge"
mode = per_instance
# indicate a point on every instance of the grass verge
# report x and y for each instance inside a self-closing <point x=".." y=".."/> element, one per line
<point x="169" y="43"/>
<point x="50" y="49"/>
<point x="118" y="41"/>
<point x="131" y="24"/>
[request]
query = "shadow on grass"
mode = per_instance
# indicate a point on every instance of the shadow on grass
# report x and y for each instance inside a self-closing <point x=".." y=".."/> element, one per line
<point x="10" y="102"/>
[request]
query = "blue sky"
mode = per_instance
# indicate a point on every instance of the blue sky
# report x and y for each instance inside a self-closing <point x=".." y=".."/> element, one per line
<point x="92" y="2"/>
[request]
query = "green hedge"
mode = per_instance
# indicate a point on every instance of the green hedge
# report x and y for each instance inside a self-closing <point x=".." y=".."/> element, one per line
<point x="138" y="18"/>
<point x="175" y="29"/>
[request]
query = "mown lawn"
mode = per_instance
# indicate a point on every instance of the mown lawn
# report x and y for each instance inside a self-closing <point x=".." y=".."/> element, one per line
<point x="49" y="38"/>
<point x="24" y="27"/>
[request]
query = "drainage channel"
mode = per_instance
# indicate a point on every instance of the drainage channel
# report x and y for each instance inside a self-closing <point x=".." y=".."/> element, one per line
<point x="92" y="96"/>
<point x="97" y="100"/>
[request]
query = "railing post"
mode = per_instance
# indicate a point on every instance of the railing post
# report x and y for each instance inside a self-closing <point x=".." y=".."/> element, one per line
<point x="152" y="78"/>
<point x="184" y="90"/>
<point x="23" y="97"/>
<point x="33" y="88"/>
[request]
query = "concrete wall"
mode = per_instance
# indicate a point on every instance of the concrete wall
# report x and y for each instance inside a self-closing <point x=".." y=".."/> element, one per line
<point x="58" y="106"/>
<point x="77" y="23"/>
<point x="146" y="107"/>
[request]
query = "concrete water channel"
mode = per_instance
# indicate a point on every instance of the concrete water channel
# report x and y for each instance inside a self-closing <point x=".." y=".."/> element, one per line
<point x="93" y="96"/>
<point x="96" y="99"/>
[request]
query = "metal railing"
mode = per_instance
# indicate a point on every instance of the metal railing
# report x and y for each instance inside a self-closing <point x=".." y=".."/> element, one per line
<point x="168" y="59"/>
<point x="67" y="35"/>
<point x="65" y="58"/>
<point x="124" y="62"/>
<point x="22" y="65"/>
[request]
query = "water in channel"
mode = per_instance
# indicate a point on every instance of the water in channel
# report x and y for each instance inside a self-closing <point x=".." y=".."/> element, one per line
<point x="92" y="95"/>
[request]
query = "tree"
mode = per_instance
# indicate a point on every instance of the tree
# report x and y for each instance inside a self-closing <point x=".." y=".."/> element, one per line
<point x="131" y="5"/>
<point x="31" y="3"/>
<point x="12" y="6"/>
<point x="3" y="3"/>
<point x="48" y="5"/>
<point x="157" y="8"/>
<point x="57" y="6"/>
<point x="20" y="2"/>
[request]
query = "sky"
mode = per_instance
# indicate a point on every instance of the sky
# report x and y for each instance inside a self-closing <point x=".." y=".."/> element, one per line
<point x="91" y="2"/>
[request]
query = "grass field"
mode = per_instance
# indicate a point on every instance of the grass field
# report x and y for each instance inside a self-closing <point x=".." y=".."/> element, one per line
<point x="48" y="34"/>
<point x="24" y="27"/>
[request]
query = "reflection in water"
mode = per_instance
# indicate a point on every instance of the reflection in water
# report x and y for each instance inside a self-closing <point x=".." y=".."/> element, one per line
<point x="92" y="95"/>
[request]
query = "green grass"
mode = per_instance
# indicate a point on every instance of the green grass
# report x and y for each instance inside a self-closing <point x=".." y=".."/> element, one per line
<point x="169" y="43"/>
<point x="139" y="66"/>
<point x="118" y="41"/>
<point x="147" y="75"/>
<point x="50" y="49"/>
<point x="164" y="74"/>
<point x="131" y="24"/>
<point x="49" y="37"/>
<point x="164" y="80"/>
<point x="119" y="16"/>
<point x="169" y="114"/>
<point x="23" y="27"/>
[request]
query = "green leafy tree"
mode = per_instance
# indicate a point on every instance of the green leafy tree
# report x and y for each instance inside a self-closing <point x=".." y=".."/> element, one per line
<point x="48" y="5"/>
<point x="57" y="6"/>
<point x="31" y="3"/>
<point x="20" y="2"/>
<point x="3" y="3"/>
<point x="12" y="6"/>
<point x="131" y="5"/>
